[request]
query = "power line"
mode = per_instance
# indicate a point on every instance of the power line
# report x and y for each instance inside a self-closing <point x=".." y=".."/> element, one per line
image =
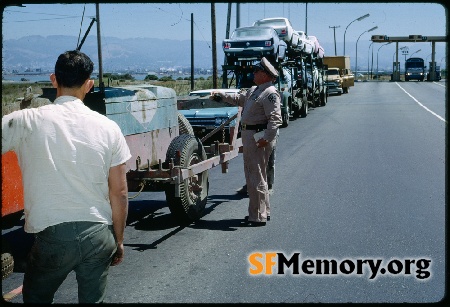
<point x="7" y="11"/>
<point x="42" y="19"/>
<point x="181" y="17"/>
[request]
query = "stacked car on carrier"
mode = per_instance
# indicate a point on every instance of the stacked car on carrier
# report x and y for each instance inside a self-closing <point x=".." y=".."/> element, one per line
<point x="297" y="56"/>
<point x="292" y="52"/>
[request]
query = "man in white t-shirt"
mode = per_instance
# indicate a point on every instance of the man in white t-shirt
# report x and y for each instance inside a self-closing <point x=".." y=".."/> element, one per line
<point x="75" y="189"/>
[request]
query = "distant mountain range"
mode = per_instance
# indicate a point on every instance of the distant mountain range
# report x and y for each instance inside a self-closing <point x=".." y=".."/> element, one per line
<point x="34" y="52"/>
<point x="150" y="54"/>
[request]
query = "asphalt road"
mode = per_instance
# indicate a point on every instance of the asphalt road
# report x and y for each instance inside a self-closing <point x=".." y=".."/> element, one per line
<point x="361" y="178"/>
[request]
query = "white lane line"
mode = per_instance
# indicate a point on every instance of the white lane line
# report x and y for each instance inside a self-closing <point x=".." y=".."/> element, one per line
<point x="437" y="83"/>
<point x="420" y="104"/>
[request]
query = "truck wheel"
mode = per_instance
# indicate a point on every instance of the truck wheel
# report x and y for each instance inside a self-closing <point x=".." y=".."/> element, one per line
<point x="323" y="99"/>
<point x="7" y="260"/>
<point x="296" y="111"/>
<point x="316" y="101"/>
<point x="183" y="125"/>
<point x="304" y="109"/>
<point x="286" y="118"/>
<point x="187" y="150"/>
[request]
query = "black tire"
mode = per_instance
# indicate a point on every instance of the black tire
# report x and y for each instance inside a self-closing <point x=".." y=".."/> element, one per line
<point x="191" y="204"/>
<point x="296" y="111"/>
<point x="7" y="260"/>
<point x="286" y="117"/>
<point x="323" y="99"/>
<point x="316" y="100"/>
<point x="183" y="125"/>
<point x="304" y="109"/>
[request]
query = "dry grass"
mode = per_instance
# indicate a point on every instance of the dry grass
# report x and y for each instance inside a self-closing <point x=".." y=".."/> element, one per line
<point x="13" y="94"/>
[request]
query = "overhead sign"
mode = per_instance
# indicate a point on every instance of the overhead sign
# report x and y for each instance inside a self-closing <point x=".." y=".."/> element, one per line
<point x="410" y="38"/>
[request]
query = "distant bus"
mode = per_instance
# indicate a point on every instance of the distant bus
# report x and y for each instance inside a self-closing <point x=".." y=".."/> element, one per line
<point x="415" y="69"/>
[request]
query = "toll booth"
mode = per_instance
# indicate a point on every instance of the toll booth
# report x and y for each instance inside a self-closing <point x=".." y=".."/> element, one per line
<point x="437" y="72"/>
<point x="395" y="71"/>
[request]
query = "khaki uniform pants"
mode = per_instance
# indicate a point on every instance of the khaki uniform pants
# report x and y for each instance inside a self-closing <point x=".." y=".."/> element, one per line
<point x="255" y="168"/>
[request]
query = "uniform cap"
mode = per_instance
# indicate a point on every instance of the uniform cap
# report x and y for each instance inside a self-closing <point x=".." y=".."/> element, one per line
<point x="267" y="67"/>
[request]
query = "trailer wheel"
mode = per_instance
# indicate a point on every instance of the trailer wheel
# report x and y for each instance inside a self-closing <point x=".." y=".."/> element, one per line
<point x="194" y="190"/>
<point x="7" y="260"/>
<point x="183" y="125"/>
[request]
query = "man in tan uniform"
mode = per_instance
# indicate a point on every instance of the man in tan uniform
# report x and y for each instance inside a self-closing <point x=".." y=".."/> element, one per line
<point x="261" y="112"/>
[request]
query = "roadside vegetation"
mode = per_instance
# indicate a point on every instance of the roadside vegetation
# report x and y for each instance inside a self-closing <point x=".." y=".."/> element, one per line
<point x="14" y="93"/>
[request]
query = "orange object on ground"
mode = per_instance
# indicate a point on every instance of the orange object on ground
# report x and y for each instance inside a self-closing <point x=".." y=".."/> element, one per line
<point x="12" y="187"/>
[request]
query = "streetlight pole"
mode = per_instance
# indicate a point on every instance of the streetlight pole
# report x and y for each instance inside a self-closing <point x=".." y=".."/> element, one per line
<point x="334" y="31"/>
<point x="378" y="77"/>
<point x="357" y="19"/>
<point x="368" y="50"/>
<point x="414" y="53"/>
<point x="356" y="67"/>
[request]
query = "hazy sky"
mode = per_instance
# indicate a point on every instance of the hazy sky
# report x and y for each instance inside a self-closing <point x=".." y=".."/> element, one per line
<point x="163" y="20"/>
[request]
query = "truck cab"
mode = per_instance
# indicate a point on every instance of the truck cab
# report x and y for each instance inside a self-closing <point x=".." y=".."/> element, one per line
<point x="334" y="80"/>
<point x="415" y="69"/>
<point x="342" y="64"/>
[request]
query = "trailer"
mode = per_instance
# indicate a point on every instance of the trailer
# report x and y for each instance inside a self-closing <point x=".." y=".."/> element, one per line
<point x="166" y="156"/>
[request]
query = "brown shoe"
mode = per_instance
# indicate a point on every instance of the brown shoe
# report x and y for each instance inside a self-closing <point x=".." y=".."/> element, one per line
<point x="246" y="218"/>
<point x="254" y="224"/>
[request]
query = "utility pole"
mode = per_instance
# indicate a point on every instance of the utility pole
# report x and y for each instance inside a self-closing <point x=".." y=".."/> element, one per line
<point x="214" y="51"/>
<point x="227" y="35"/>
<point x="192" y="51"/>
<point x="99" y="47"/>
<point x="334" y="32"/>
<point x="306" y="19"/>
<point x="238" y="15"/>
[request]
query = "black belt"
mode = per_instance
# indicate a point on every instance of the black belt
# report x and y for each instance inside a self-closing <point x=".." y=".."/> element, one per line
<point x="259" y="127"/>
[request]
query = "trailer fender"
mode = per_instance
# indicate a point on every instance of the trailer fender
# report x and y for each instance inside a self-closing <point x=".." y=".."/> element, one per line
<point x="184" y="125"/>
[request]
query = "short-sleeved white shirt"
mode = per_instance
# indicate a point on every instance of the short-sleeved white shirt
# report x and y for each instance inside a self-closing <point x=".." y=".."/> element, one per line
<point x="65" y="151"/>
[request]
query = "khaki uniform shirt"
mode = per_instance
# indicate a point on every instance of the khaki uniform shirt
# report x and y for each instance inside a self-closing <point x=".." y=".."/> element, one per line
<point x="262" y="105"/>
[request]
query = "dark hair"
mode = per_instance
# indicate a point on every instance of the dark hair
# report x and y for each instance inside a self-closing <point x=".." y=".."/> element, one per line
<point x="73" y="68"/>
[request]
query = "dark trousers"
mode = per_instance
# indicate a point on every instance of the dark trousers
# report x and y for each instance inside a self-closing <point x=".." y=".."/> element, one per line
<point x="84" y="247"/>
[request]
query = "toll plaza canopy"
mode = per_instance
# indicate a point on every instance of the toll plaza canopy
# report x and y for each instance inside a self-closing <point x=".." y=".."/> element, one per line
<point x="411" y="39"/>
